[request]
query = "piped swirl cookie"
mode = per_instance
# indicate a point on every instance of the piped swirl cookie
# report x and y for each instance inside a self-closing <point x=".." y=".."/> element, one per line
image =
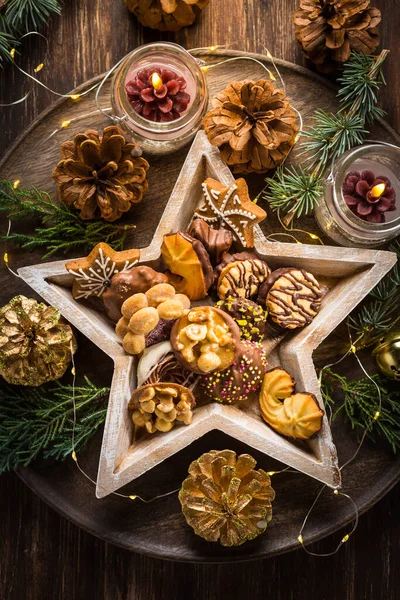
<point x="241" y="275"/>
<point x="292" y="297"/>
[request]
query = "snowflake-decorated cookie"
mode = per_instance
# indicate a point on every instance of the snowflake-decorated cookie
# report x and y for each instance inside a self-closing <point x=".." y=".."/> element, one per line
<point x="92" y="275"/>
<point x="230" y="207"/>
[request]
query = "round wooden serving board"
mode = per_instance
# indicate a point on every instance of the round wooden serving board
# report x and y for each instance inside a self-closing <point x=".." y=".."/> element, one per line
<point x="159" y="529"/>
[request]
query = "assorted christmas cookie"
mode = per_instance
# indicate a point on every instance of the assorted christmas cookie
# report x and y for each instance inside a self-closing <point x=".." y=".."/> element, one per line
<point x="148" y="318"/>
<point x="230" y="207"/>
<point x="159" y="363"/>
<point x="250" y="316"/>
<point x="253" y="125"/>
<point x="36" y="343"/>
<point x="241" y="380"/>
<point x="205" y="340"/>
<point x="293" y="415"/>
<point x="240" y="275"/>
<point x="215" y="241"/>
<point x="188" y="263"/>
<point x="158" y="407"/>
<point x="224" y="499"/>
<point x="292" y="297"/>
<point x="137" y="280"/>
<point x="92" y="275"/>
<point x="101" y="176"/>
<point x="166" y="15"/>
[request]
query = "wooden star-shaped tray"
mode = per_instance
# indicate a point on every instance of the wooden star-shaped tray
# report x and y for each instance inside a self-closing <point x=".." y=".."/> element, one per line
<point x="347" y="276"/>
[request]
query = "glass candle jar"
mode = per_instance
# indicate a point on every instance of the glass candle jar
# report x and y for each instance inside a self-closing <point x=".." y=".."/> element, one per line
<point x="336" y="218"/>
<point x="169" y="98"/>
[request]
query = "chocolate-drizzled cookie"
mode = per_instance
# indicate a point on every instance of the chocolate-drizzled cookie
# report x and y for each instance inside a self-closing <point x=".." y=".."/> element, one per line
<point x="292" y="297"/>
<point x="240" y="275"/>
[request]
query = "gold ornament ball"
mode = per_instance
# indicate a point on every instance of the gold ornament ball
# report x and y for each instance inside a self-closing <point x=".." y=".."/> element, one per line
<point x="387" y="355"/>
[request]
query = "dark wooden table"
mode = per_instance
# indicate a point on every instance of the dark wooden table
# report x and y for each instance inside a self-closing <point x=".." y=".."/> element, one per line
<point x="42" y="556"/>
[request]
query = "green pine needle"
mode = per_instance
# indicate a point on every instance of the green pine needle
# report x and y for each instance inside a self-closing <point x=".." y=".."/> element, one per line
<point x="7" y="42"/>
<point x="61" y="229"/>
<point x="24" y="15"/>
<point x="361" y="79"/>
<point x="359" y="402"/>
<point x="331" y="135"/>
<point x="293" y="191"/>
<point x="39" y="421"/>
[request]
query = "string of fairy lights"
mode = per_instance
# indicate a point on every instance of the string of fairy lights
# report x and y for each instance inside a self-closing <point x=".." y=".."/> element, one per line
<point x="288" y="232"/>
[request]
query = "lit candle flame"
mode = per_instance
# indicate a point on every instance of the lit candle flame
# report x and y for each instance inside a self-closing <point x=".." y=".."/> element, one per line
<point x="378" y="190"/>
<point x="156" y="81"/>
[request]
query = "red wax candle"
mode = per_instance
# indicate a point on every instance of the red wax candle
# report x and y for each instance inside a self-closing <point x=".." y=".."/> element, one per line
<point x="158" y="94"/>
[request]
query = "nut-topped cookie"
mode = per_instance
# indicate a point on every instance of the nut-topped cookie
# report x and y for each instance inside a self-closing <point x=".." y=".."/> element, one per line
<point x="241" y="275"/>
<point x="205" y="340"/>
<point x="292" y="297"/>
<point x="250" y="316"/>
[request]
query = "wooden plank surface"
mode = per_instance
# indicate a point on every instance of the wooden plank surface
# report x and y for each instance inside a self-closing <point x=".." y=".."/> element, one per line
<point x="42" y="555"/>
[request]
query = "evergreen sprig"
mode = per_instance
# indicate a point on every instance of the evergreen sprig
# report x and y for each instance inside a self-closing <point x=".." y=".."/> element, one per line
<point x="381" y="309"/>
<point x="39" y="421"/>
<point x="61" y="229"/>
<point x="23" y="15"/>
<point x="294" y="191"/>
<point x="359" y="402"/>
<point x="331" y="135"/>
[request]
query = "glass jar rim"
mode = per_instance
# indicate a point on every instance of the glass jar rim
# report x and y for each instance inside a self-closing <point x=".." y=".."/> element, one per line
<point x="147" y="50"/>
<point x="344" y="163"/>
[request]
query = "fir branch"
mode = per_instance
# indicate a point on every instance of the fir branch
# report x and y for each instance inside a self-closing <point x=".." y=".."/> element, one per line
<point x="61" y="230"/>
<point x="24" y="15"/>
<point x="7" y="42"/>
<point x="35" y="421"/>
<point x="359" y="403"/>
<point x="331" y="135"/>
<point x="293" y="191"/>
<point x="361" y="79"/>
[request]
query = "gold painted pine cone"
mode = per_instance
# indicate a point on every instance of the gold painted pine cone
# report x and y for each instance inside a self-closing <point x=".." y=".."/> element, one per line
<point x="224" y="499"/>
<point x="99" y="176"/>
<point x="166" y="15"/>
<point x="35" y="342"/>
<point x="328" y="30"/>
<point x="253" y="125"/>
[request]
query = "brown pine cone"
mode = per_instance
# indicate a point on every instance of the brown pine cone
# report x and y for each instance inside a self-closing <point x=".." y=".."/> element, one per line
<point x="99" y="175"/>
<point x="35" y="342"/>
<point x="328" y="30"/>
<point x="166" y="15"/>
<point x="253" y="124"/>
<point x="224" y="499"/>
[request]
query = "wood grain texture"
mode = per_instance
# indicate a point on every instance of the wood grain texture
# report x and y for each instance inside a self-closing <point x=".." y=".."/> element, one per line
<point x="44" y="556"/>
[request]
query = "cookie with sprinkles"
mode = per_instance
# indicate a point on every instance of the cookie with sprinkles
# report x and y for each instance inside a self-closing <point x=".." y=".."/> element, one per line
<point x="92" y="274"/>
<point x="250" y="316"/>
<point x="292" y="297"/>
<point x="241" y="380"/>
<point x="230" y="207"/>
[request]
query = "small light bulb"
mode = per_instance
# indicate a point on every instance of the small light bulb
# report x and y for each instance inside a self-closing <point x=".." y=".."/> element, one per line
<point x="5" y="258"/>
<point x="377" y="415"/>
<point x="300" y="538"/>
<point x="205" y="68"/>
<point x="39" y="68"/>
<point x="65" y="124"/>
<point x="16" y="184"/>
<point x="270" y="473"/>
<point x="73" y="371"/>
<point x="74" y="457"/>
<point x="353" y="349"/>
<point x="75" y="97"/>
<point x="132" y="497"/>
<point x="12" y="52"/>
<point x="336" y="492"/>
<point x="313" y="236"/>
<point x="212" y="48"/>
<point x="346" y="538"/>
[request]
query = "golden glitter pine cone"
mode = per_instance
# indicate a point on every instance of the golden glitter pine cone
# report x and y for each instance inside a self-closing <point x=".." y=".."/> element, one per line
<point x="166" y="15"/>
<point x="35" y="342"/>
<point x="253" y="125"/>
<point x="99" y="175"/>
<point x="224" y="499"/>
<point x="328" y="30"/>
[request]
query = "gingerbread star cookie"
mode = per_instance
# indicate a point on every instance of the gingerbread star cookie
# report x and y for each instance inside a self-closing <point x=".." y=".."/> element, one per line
<point x="230" y="208"/>
<point x="92" y="275"/>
